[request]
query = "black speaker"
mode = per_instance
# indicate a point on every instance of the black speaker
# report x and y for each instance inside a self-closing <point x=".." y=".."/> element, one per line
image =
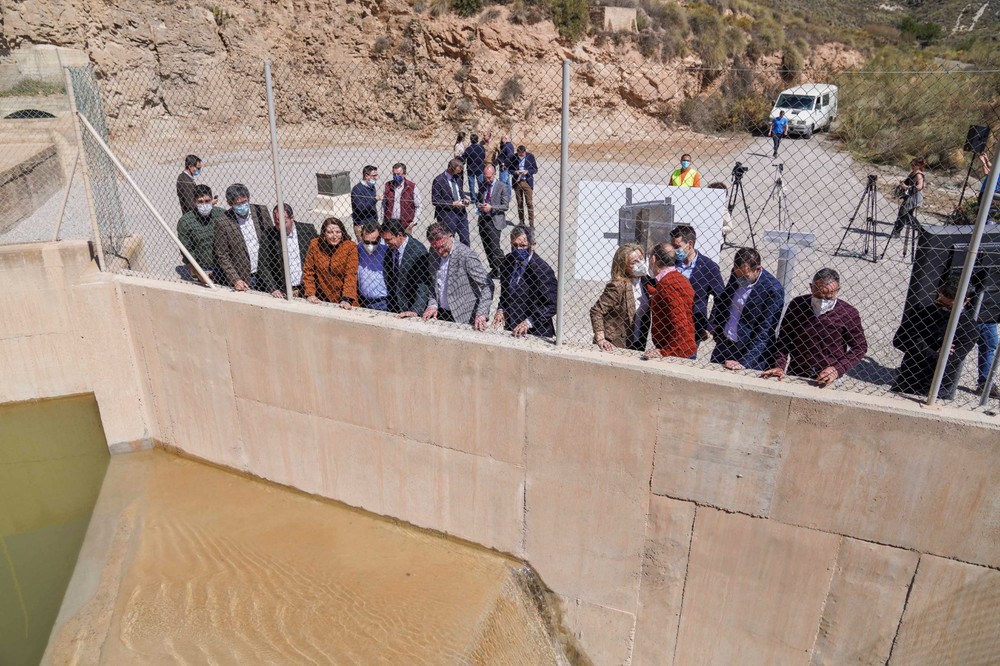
<point x="975" y="140"/>
<point x="941" y="252"/>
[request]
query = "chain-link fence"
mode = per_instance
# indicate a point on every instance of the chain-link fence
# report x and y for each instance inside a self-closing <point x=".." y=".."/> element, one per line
<point x="669" y="167"/>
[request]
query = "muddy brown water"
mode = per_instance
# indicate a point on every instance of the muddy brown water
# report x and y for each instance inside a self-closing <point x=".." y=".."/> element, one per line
<point x="188" y="563"/>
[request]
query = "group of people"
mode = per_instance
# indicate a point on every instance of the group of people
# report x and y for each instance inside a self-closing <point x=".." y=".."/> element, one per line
<point x="387" y="269"/>
<point x="657" y="305"/>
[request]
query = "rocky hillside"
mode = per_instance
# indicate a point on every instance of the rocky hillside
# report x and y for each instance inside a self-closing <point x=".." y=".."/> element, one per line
<point x="364" y="63"/>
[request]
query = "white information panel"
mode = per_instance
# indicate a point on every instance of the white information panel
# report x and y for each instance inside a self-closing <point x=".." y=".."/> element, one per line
<point x="597" y="220"/>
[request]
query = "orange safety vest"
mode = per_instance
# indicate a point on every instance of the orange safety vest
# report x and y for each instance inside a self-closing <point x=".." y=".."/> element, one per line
<point x="687" y="180"/>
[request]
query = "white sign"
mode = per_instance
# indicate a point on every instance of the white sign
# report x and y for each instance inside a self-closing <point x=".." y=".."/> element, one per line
<point x="703" y="208"/>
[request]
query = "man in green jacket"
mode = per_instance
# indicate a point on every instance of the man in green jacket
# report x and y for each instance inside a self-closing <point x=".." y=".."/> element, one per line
<point x="196" y="231"/>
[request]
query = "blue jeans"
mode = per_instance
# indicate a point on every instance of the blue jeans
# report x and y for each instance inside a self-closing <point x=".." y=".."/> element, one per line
<point x="475" y="180"/>
<point x="505" y="179"/>
<point x="987" y="345"/>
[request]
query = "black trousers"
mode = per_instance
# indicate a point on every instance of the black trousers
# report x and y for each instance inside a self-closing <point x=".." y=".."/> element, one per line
<point x="490" y="236"/>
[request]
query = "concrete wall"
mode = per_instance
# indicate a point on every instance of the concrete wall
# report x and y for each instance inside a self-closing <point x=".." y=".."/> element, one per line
<point x="615" y="19"/>
<point x="681" y="516"/>
<point x="63" y="332"/>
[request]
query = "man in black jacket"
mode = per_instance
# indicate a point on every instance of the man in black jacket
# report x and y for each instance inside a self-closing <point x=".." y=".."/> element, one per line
<point x="270" y="267"/>
<point x="920" y="337"/>
<point x="407" y="276"/>
<point x="528" y="289"/>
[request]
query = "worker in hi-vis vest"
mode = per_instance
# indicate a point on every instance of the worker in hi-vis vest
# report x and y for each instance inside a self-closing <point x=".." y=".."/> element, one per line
<point x="687" y="175"/>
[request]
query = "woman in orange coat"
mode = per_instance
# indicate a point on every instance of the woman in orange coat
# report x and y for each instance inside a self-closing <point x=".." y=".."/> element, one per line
<point x="330" y="272"/>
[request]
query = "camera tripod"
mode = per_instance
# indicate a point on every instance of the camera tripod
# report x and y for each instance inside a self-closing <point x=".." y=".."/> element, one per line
<point x="737" y="191"/>
<point x="869" y="199"/>
<point x="778" y="190"/>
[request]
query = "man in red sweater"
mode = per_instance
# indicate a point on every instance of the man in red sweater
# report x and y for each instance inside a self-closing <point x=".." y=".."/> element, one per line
<point x="671" y="307"/>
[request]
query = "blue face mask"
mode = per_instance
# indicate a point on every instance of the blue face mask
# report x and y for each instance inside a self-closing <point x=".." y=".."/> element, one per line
<point x="520" y="253"/>
<point x="372" y="182"/>
<point x="398" y="180"/>
<point x="680" y="254"/>
<point x="242" y="210"/>
<point x="685" y="164"/>
<point x="197" y="172"/>
<point x="743" y="282"/>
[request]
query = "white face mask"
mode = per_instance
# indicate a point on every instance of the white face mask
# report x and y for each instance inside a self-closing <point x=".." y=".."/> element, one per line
<point x="821" y="306"/>
<point x="638" y="269"/>
<point x="370" y="247"/>
<point x="204" y="209"/>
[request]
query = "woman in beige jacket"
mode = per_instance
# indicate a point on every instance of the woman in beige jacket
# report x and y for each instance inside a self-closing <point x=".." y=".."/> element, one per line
<point x="620" y="317"/>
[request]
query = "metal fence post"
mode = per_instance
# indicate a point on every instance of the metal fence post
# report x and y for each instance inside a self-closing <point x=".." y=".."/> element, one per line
<point x="277" y="179"/>
<point x="966" y="277"/>
<point x="563" y="191"/>
<point x="98" y="244"/>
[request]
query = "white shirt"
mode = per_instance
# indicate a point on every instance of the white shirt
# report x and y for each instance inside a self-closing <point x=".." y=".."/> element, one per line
<point x="736" y="311"/>
<point x="641" y="297"/>
<point x="249" y="230"/>
<point x="396" y="202"/>
<point x="441" y="283"/>
<point x="294" y="259"/>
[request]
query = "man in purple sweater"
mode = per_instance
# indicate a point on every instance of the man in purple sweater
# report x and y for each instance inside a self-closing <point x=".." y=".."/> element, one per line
<point x="820" y="337"/>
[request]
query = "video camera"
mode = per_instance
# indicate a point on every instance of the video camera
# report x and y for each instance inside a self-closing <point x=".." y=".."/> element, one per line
<point x="739" y="170"/>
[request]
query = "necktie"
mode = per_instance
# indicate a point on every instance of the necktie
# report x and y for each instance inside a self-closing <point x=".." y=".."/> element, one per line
<point x="489" y="193"/>
<point x="518" y="272"/>
<point x="454" y="189"/>
<point x="399" y="259"/>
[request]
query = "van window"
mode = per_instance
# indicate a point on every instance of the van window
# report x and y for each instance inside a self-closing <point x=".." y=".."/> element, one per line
<point x="826" y="99"/>
<point x="795" y="102"/>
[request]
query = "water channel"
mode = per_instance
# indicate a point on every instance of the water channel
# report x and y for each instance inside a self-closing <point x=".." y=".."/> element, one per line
<point x="184" y="562"/>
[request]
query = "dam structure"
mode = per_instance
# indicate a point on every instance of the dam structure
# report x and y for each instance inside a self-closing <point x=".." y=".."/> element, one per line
<point x="672" y="515"/>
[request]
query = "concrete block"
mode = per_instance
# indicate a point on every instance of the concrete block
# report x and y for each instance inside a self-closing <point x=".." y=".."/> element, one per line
<point x="41" y="366"/>
<point x="755" y="591"/>
<point x="952" y="616"/>
<point x="604" y="634"/>
<point x="33" y="311"/>
<point x="865" y="604"/>
<point x="727" y="457"/>
<point x="891" y="479"/>
<point x="665" y="560"/>
<point x="281" y="445"/>
<point x="589" y="462"/>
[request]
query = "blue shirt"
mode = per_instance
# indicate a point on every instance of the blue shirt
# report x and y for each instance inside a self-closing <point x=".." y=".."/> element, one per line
<point x="371" y="281"/>
<point x="778" y="125"/>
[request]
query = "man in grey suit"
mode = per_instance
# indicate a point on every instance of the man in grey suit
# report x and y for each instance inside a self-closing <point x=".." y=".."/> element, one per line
<point x="461" y="291"/>
<point x="494" y="201"/>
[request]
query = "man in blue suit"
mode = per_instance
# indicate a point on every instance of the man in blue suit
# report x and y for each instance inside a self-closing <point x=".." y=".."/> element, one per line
<point x="364" y="200"/>
<point x="528" y="289"/>
<point x="703" y="274"/>
<point x="475" y="161"/>
<point x="525" y="167"/>
<point x="449" y="201"/>
<point x="746" y="314"/>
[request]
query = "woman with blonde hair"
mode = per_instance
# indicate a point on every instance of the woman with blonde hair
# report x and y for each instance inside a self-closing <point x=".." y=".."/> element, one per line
<point x="330" y="272"/>
<point x="620" y="317"/>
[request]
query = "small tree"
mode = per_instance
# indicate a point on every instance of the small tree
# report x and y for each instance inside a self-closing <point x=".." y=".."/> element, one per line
<point x="571" y="18"/>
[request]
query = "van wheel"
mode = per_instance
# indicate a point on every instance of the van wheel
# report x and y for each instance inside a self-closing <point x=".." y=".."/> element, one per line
<point x="809" y="132"/>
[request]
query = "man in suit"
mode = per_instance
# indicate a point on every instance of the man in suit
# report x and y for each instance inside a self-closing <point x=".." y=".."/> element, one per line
<point x="746" y="314"/>
<point x="461" y="291"/>
<point x="237" y="239"/>
<point x="494" y="200"/>
<point x="185" y="183"/>
<point x="364" y="199"/>
<point x="920" y="337"/>
<point x="449" y="201"/>
<point x="475" y="161"/>
<point x="527" y="288"/>
<point x="270" y="271"/>
<point x="525" y="167"/>
<point x="505" y="161"/>
<point x="703" y="274"/>
<point x="407" y="277"/>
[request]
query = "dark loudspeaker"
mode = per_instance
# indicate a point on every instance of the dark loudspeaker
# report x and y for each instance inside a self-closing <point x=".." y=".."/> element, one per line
<point x="975" y="140"/>
<point x="941" y="251"/>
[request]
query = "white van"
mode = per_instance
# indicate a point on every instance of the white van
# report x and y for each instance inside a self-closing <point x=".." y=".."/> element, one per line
<point x="809" y="108"/>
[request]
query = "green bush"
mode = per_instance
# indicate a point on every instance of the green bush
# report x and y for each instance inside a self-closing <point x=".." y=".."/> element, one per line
<point x="924" y="32"/>
<point x="466" y="7"/>
<point x="791" y="64"/>
<point x="33" y="88"/>
<point x="708" y="29"/>
<point x="571" y="18"/>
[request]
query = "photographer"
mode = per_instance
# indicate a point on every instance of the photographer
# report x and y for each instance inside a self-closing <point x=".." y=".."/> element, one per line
<point x="911" y="191"/>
